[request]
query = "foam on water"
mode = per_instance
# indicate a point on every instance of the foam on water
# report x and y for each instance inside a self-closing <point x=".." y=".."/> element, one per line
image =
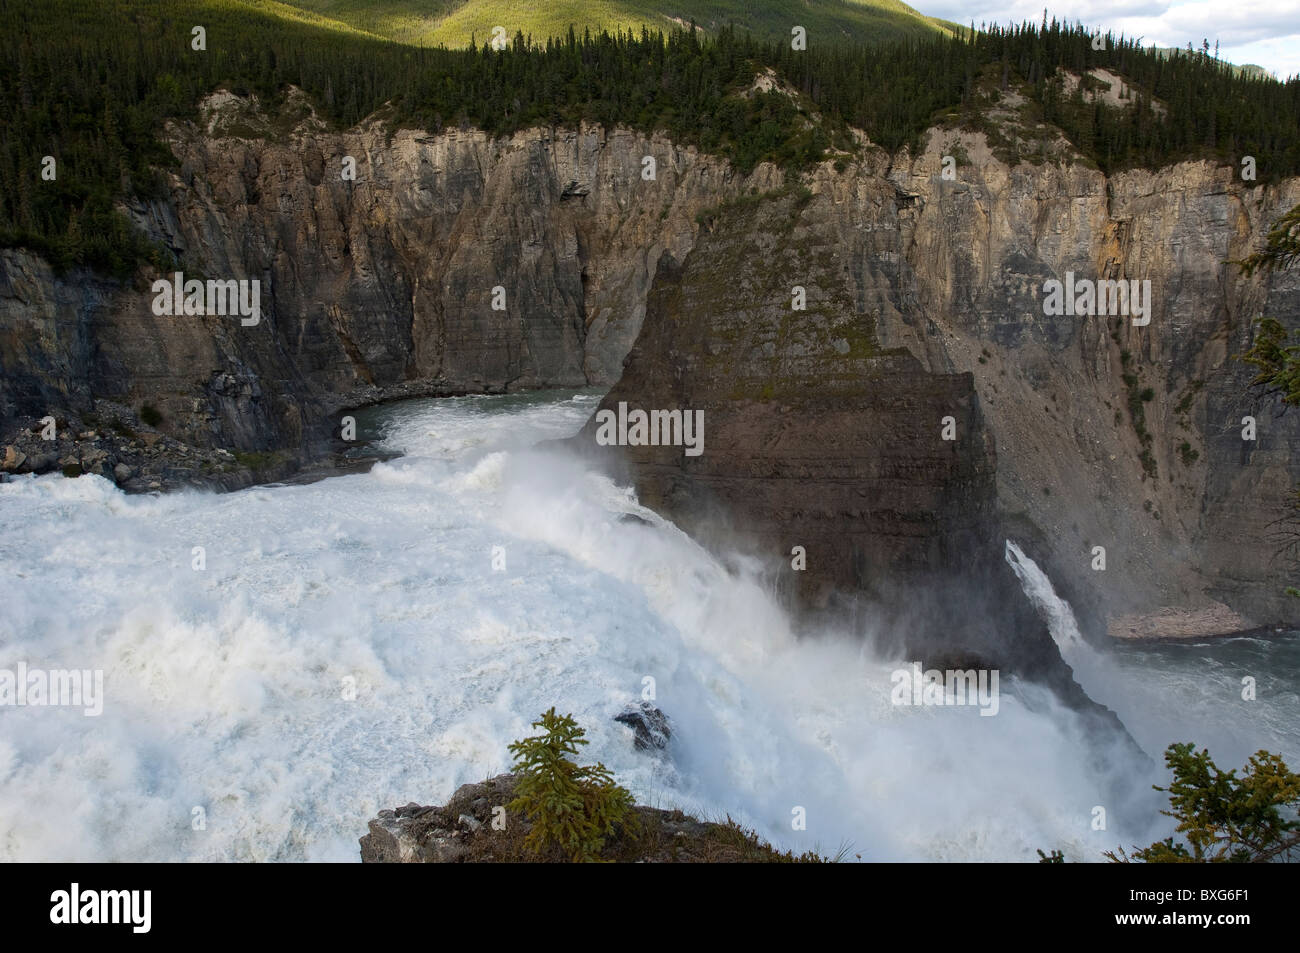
<point x="225" y="687"/>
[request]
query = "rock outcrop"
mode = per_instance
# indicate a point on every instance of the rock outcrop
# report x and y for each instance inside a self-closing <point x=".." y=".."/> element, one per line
<point x="651" y="728"/>
<point x="866" y="482"/>
<point x="475" y="826"/>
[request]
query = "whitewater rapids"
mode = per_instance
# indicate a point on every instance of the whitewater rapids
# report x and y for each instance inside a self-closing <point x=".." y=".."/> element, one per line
<point x="228" y="689"/>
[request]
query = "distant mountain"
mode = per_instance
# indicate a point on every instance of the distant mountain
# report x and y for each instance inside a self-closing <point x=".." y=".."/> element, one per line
<point x="454" y="22"/>
<point x="1243" y="69"/>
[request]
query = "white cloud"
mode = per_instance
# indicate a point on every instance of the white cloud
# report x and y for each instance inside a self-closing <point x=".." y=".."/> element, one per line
<point x="1266" y="32"/>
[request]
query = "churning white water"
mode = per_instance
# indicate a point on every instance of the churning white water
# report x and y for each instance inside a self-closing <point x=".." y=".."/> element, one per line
<point x="229" y="689"/>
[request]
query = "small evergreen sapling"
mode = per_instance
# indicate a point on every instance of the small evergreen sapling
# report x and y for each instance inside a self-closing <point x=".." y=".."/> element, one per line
<point x="570" y="807"/>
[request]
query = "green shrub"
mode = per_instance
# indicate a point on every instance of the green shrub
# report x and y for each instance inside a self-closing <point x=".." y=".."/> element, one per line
<point x="571" y="808"/>
<point x="1223" y="817"/>
<point x="150" y="415"/>
<point x="1149" y="465"/>
<point x="1189" y="395"/>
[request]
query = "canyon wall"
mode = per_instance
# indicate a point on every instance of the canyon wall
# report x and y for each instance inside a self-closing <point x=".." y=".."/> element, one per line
<point x="1121" y="464"/>
<point x="824" y="454"/>
<point x="924" y="300"/>
<point x="373" y="286"/>
<point x="1191" y="522"/>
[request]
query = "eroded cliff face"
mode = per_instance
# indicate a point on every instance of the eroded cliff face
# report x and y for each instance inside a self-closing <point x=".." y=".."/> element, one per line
<point x="824" y="454"/>
<point x="379" y="285"/>
<point x="383" y="286"/>
<point x="1191" y="523"/>
<point x="894" y="256"/>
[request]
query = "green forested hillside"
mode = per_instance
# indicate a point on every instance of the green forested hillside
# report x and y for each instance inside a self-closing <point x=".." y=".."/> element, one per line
<point x="89" y="83"/>
<point x="454" y="23"/>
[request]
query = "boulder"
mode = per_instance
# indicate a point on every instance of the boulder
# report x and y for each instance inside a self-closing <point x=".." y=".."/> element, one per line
<point x="650" y="725"/>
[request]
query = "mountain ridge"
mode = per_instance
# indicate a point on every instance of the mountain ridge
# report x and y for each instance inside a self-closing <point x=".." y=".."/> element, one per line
<point x="456" y="24"/>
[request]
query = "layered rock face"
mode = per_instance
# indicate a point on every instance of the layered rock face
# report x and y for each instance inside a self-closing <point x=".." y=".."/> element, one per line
<point x="449" y="264"/>
<point x="1122" y="467"/>
<point x="1187" y="526"/>
<point x="812" y="432"/>
<point x="865" y="482"/>
<point x="383" y="286"/>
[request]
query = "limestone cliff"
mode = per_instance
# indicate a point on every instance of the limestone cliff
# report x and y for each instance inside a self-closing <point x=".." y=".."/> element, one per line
<point x="824" y="454"/>
<point x="1108" y="434"/>
<point x="370" y="286"/>
<point x="1189" y="523"/>
<point x="383" y="286"/>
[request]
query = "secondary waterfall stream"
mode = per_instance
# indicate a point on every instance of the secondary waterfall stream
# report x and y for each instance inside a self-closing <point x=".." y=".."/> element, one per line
<point x="349" y="645"/>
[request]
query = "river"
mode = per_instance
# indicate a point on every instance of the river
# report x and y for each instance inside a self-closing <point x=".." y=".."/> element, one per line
<point x="282" y="662"/>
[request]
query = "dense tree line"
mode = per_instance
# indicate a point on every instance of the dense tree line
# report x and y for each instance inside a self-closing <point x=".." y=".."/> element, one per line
<point x="1206" y="107"/>
<point x="90" y="82"/>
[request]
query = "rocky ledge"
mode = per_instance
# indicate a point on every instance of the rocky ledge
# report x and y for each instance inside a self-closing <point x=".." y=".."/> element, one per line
<point x="1177" y="624"/>
<point x="463" y="831"/>
<point x="113" y="442"/>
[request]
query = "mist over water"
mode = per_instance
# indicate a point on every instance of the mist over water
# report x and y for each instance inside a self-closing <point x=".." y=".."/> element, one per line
<point x="1192" y="691"/>
<point x="225" y="687"/>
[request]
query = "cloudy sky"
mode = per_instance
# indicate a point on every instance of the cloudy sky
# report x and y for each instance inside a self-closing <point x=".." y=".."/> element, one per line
<point x="1265" y="32"/>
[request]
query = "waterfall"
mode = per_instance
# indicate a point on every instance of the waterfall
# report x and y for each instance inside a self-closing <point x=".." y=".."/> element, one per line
<point x="1057" y="612"/>
<point x="352" y="645"/>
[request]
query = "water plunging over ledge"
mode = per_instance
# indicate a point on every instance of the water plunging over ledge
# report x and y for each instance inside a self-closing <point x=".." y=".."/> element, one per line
<point x="228" y="687"/>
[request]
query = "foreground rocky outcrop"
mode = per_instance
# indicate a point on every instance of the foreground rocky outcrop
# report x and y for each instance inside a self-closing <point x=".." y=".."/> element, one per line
<point x="462" y="831"/>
